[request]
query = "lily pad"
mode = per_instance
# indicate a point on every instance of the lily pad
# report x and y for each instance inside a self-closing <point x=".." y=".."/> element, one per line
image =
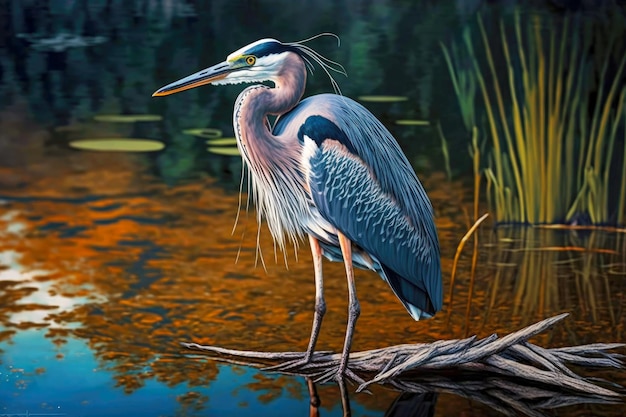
<point x="412" y="122"/>
<point x="127" y="118"/>
<point x="118" y="145"/>
<point x="383" y="99"/>
<point x="222" y="150"/>
<point x="208" y="132"/>
<point x="222" y="141"/>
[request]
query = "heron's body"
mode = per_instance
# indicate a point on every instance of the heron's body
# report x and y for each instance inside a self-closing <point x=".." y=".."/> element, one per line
<point x="330" y="170"/>
<point x="345" y="184"/>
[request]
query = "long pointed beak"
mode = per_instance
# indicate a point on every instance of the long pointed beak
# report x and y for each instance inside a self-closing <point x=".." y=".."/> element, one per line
<point x="206" y="76"/>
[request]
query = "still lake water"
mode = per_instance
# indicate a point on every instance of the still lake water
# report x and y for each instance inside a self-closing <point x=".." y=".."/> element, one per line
<point x="109" y="260"/>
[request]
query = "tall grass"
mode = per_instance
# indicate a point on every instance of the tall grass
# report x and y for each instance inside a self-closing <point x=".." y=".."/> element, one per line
<point x="550" y="159"/>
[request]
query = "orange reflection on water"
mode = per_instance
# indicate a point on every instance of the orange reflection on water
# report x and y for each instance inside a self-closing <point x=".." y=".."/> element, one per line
<point x="144" y="266"/>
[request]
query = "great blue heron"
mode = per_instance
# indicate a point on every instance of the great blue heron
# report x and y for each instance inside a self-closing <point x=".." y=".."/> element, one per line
<point x="330" y="170"/>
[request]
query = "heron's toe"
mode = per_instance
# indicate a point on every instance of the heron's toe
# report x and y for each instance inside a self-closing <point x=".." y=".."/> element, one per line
<point x="296" y="364"/>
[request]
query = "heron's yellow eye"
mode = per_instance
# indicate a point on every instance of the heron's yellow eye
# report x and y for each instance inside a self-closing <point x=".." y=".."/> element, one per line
<point x="250" y="60"/>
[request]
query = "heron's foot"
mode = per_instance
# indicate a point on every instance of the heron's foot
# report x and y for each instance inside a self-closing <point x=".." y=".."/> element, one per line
<point x="338" y="375"/>
<point x="350" y="375"/>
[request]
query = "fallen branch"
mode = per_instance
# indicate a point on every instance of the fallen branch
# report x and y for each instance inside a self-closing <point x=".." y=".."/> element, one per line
<point x="511" y="356"/>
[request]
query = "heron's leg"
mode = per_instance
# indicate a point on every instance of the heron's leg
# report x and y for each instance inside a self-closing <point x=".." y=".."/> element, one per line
<point x="320" y="310"/>
<point x="354" y="309"/>
<point x="345" y="400"/>
<point x="320" y="303"/>
<point x="314" y="399"/>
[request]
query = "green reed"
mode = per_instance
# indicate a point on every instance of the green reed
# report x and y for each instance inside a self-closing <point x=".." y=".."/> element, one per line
<point x="549" y="159"/>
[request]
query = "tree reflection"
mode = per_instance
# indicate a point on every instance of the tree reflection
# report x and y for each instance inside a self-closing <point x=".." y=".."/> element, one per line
<point x="72" y="60"/>
<point x="134" y="275"/>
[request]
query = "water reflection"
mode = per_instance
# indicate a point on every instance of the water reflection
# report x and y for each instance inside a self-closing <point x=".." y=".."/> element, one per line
<point x="419" y="398"/>
<point x="61" y="41"/>
<point x="550" y="269"/>
<point x="104" y="269"/>
<point x="410" y="404"/>
<point x="131" y="276"/>
<point x="71" y="60"/>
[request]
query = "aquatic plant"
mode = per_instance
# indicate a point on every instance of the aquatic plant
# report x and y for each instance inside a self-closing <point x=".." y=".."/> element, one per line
<point x="222" y="141"/>
<point x="444" y="150"/>
<point x="224" y="150"/>
<point x="118" y="145"/>
<point x="127" y="118"/>
<point x="383" y="99"/>
<point x="550" y="160"/>
<point x="205" y="132"/>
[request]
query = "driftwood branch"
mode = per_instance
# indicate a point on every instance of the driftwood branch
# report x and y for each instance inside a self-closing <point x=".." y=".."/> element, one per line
<point x="509" y="358"/>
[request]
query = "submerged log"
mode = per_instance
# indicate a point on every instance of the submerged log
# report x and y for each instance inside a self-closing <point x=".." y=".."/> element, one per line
<point x="511" y="357"/>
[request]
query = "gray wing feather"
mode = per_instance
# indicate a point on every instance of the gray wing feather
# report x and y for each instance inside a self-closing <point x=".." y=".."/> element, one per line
<point x="404" y="213"/>
<point x="347" y="195"/>
<point x="378" y="149"/>
<point x="389" y="167"/>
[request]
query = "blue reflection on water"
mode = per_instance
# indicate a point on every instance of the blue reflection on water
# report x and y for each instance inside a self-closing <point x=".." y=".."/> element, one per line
<point x="77" y="386"/>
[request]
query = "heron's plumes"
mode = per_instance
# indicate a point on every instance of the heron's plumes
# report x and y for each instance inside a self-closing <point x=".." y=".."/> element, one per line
<point x="307" y="53"/>
<point x="319" y="35"/>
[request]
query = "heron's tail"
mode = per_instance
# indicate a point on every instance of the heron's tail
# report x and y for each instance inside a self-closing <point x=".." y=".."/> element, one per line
<point x="416" y="301"/>
<point x="415" y="312"/>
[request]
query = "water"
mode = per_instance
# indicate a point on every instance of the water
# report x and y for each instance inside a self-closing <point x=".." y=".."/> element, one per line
<point x="109" y="260"/>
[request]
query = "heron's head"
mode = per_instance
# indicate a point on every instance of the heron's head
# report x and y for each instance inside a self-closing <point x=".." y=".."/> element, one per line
<point x="259" y="61"/>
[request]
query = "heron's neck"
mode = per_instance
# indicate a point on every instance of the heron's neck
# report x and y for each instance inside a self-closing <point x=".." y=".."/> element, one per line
<point x="272" y="160"/>
<point x="255" y="103"/>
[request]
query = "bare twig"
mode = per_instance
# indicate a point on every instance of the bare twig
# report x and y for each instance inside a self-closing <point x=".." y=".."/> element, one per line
<point x="459" y="249"/>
